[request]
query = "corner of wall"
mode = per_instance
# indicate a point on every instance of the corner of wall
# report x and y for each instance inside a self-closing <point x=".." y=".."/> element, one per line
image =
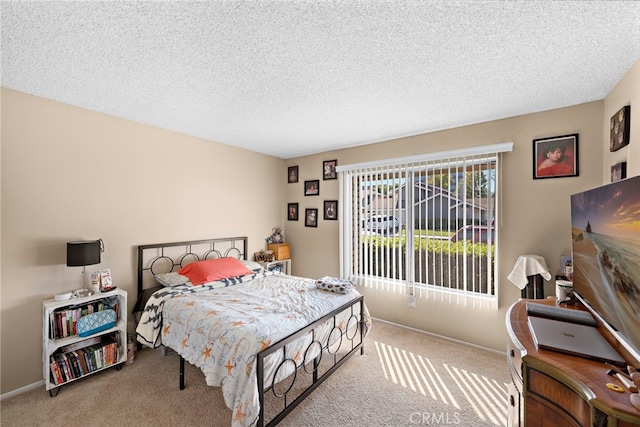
<point x="625" y="92"/>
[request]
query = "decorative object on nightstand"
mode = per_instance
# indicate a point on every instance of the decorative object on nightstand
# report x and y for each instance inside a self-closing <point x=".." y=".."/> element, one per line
<point x="283" y="266"/>
<point x="101" y="281"/>
<point x="277" y="236"/>
<point x="277" y="256"/>
<point x="281" y="251"/>
<point x="83" y="253"/>
<point x="263" y="256"/>
<point x="83" y="336"/>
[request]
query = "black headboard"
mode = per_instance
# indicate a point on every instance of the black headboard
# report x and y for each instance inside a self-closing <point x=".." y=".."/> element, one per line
<point x="165" y="257"/>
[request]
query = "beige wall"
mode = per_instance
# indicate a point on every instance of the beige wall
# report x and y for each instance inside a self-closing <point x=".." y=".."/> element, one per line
<point x="626" y="92"/>
<point x="69" y="173"/>
<point x="534" y="218"/>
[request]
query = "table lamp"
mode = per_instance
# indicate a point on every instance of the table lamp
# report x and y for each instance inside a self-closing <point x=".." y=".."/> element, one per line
<point x="83" y="253"/>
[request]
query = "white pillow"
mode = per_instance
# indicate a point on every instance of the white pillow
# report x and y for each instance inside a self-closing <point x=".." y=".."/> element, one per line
<point x="252" y="265"/>
<point x="335" y="284"/>
<point x="172" y="279"/>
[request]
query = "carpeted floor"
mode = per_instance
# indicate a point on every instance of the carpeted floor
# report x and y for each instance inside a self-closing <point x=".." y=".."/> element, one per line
<point x="405" y="378"/>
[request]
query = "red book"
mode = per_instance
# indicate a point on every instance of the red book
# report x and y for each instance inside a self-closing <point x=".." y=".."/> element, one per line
<point x="56" y="375"/>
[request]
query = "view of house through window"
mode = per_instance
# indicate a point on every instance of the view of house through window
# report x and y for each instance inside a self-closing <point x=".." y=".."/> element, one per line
<point x="424" y="225"/>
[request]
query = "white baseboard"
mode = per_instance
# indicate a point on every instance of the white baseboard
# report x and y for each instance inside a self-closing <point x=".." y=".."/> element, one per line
<point x="22" y="390"/>
<point x="420" y="331"/>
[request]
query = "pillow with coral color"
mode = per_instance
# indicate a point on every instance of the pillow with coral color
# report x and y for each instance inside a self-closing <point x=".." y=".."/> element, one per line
<point x="212" y="270"/>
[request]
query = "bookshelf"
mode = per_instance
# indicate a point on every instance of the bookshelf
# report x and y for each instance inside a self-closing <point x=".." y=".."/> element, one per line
<point x="68" y="356"/>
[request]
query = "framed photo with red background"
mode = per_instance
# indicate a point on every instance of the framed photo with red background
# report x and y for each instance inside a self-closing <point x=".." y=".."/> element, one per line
<point x="555" y="157"/>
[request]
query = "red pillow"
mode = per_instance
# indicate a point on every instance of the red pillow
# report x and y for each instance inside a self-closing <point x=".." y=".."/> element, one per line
<point x="211" y="270"/>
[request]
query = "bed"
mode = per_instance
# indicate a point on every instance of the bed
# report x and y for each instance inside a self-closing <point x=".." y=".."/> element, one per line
<point x="266" y="338"/>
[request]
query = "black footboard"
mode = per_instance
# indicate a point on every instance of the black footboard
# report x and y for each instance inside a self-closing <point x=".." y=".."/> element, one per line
<point x="321" y="359"/>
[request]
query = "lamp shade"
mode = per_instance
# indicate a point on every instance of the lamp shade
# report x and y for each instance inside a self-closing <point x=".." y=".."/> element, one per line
<point x="85" y="252"/>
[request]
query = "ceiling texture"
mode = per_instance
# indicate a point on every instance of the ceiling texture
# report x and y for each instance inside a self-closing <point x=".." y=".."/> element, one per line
<point x="292" y="78"/>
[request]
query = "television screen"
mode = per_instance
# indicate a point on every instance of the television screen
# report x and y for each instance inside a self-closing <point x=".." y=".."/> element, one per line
<point x="605" y="223"/>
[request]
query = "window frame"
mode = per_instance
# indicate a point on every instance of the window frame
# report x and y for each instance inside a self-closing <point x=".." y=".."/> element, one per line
<point x="407" y="168"/>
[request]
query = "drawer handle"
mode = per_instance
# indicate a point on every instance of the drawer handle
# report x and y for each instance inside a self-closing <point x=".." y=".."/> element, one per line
<point x="512" y="353"/>
<point x="512" y="401"/>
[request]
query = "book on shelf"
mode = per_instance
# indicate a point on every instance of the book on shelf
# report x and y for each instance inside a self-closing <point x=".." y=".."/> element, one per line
<point x="63" y="320"/>
<point x="81" y="363"/>
<point x="95" y="353"/>
<point x="75" y="366"/>
<point x="62" y="364"/>
<point x="56" y="375"/>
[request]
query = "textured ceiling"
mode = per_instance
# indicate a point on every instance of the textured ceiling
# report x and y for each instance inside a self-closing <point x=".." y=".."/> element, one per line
<point x="291" y="78"/>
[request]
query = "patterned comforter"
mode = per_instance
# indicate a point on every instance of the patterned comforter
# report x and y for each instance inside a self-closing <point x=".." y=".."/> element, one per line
<point x="222" y="326"/>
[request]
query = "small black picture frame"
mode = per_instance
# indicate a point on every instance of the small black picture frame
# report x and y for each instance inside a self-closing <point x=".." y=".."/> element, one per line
<point x="619" y="171"/>
<point x="329" y="169"/>
<point x="312" y="187"/>
<point x="310" y="217"/>
<point x="555" y="157"/>
<point x="292" y="174"/>
<point x="292" y="211"/>
<point x="331" y="210"/>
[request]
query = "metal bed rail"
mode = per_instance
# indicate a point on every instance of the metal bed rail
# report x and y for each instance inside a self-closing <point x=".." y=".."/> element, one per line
<point x="353" y="332"/>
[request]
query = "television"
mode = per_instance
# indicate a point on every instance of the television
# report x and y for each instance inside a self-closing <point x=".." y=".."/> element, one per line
<point x="605" y="245"/>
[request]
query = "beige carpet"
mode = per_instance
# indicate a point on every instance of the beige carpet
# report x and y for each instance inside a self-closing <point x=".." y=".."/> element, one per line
<point x="404" y="378"/>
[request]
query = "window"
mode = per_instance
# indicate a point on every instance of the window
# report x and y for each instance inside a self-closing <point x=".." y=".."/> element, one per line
<point x="423" y="225"/>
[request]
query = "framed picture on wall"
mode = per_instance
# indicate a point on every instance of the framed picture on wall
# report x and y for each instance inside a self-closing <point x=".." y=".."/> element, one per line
<point x="620" y="125"/>
<point x="618" y="171"/>
<point x="331" y="210"/>
<point x="329" y="169"/>
<point x="311" y="217"/>
<point x="555" y="157"/>
<point x="292" y="211"/>
<point x="292" y="174"/>
<point x="312" y="188"/>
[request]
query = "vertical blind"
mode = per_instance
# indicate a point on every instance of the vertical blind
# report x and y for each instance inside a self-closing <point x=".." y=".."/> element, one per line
<point x="423" y="225"/>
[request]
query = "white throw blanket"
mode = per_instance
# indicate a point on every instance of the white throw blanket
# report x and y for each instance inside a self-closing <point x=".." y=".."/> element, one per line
<point x="528" y="265"/>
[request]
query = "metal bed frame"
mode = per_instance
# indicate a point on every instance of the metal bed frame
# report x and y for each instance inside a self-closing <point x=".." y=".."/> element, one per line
<point x="208" y="248"/>
<point x="321" y="359"/>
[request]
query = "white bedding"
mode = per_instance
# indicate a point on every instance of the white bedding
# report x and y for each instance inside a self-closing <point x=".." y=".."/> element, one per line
<point x="221" y="327"/>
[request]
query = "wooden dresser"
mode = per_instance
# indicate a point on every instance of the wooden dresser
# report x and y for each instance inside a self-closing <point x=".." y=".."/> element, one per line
<point x="555" y="389"/>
